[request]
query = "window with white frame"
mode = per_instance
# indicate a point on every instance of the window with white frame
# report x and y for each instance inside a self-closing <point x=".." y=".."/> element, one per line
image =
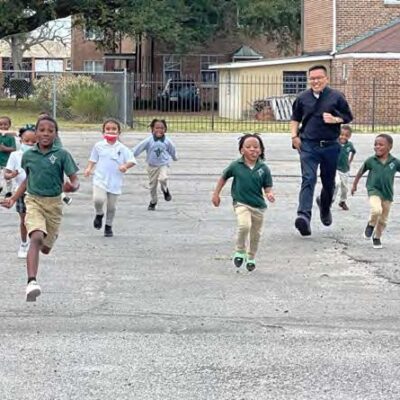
<point x="93" y="66"/>
<point x="172" y="66"/>
<point x="294" y="82"/>
<point x="208" y="76"/>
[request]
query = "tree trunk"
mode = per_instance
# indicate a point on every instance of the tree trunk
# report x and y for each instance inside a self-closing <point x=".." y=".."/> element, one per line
<point x="17" y="53"/>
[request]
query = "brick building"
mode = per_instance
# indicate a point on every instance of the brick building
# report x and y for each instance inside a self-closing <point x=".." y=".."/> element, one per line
<point x="363" y="38"/>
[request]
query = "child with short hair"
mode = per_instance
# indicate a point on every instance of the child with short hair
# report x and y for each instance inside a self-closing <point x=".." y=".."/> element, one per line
<point x="7" y="146"/>
<point x="346" y="157"/>
<point x="45" y="165"/>
<point x="252" y="181"/>
<point x="159" y="152"/>
<point x="111" y="159"/>
<point x="14" y="171"/>
<point x="382" y="168"/>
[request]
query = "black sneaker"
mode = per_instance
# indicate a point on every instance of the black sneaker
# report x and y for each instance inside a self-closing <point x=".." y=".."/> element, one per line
<point x="98" y="221"/>
<point x="251" y="265"/>
<point x="343" y="206"/>
<point x="167" y="195"/>
<point x="325" y="216"/>
<point x="239" y="259"/>
<point x="8" y="195"/>
<point x="152" y="206"/>
<point x="108" y="231"/>
<point x="302" y="224"/>
<point x="376" y="242"/>
<point x="369" y="230"/>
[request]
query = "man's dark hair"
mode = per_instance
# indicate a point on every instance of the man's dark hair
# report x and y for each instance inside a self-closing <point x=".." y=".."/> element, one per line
<point x="253" y="135"/>
<point x="314" y="67"/>
<point x="387" y="137"/>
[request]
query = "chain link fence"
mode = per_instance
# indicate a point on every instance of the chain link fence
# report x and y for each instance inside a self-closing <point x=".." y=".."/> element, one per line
<point x="228" y="104"/>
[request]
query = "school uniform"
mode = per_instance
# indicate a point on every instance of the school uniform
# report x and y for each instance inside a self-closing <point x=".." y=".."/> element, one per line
<point x="380" y="183"/>
<point x="14" y="164"/>
<point x="159" y="153"/>
<point x="107" y="178"/>
<point x="343" y="170"/>
<point x="248" y="201"/>
<point x="8" y="141"/>
<point x="45" y="178"/>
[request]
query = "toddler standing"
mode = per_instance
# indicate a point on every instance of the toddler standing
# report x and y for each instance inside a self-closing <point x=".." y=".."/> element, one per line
<point x="252" y="181"/>
<point x="111" y="159"/>
<point x="382" y="168"/>
<point x="160" y="150"/>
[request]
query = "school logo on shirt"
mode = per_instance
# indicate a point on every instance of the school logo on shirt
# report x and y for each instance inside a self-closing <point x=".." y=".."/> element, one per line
<point x="391" y="165"/>
<point x="260" y="172"/>
<point x="53" y="159"/>
<point x="158" y="152"/>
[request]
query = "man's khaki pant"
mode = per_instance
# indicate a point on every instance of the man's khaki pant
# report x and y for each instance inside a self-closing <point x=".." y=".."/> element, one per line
<point x="157" y="174"/>
<point x="379" y="214"/>
<point x="250" y="223"/>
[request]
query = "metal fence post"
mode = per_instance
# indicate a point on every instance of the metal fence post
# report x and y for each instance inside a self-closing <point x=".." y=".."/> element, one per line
<point x="54" y="96"/>
<point x="373" y="103"/>
<point x="212" y="108"/>
<point x="125" y="96"/>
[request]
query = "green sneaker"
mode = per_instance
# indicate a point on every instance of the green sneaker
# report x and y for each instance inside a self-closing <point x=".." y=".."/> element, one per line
<point x="251" y="265"/>
<point x="239" y="259"/>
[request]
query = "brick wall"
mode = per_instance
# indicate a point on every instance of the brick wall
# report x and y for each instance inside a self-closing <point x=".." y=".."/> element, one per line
<point x="355" y="18"/>
<point x="372" y="89"/>
<point x="317" y="25"/>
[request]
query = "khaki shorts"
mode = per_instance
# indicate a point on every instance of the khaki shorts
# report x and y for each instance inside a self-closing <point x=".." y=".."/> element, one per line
<point x="43" y="214"/>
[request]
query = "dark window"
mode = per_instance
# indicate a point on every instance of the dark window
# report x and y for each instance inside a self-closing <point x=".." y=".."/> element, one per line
<point x="294" y="82"/>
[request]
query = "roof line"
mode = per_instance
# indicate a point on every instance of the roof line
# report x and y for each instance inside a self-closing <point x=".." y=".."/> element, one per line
<point x="368" y="34"/>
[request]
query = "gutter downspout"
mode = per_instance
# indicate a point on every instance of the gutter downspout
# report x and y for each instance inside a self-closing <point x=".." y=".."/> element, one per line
<point x="334" y="27"/>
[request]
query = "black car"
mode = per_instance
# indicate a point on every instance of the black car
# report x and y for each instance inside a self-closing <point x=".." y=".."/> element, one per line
<point x="179" y="95"/>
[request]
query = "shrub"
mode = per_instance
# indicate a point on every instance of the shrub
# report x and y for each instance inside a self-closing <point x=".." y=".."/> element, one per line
<point x="78" y="97"/>
<point x="92" y="104"/>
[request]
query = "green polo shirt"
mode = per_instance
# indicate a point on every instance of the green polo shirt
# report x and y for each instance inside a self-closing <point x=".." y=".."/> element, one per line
<point x="248" y="184"/>
<point x="45" y="171"/>
<point x="343" y="161"/>
<point x="7" y="141"/>
<point x="380" y="179"/>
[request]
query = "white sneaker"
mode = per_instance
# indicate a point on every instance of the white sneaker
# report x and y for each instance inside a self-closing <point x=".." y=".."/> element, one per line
<point x="23" y="250"/>
<point x="32" y="291"/>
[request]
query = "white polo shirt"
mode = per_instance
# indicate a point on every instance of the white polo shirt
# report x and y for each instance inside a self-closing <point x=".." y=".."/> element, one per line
<point x="108" y="157"/>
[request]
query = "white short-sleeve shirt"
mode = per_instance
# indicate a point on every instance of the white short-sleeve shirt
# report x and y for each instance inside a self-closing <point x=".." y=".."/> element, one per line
<point x="108" y="157"/>
<point x="14" y="164"/>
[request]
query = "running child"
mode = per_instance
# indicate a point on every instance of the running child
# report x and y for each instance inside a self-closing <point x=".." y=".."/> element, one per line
<point x="382" y="168"/>
<point x="66" y="199"/>
<point x="14" y="171"/>
<point x="110" y="159"/>
<point x="159" y="152"/>
<point x="346" y="157"/>
<point x="252" y="181"/>
<point x="45" y="165"/>
<point x="7" y="146"/>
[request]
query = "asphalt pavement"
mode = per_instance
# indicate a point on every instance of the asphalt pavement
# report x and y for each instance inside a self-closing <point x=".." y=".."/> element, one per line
<point x="159" y="312"/>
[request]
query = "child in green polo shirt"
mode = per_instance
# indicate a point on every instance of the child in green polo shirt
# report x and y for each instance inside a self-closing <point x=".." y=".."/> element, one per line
<point x="382" y="168"/>
<point x="7" y="146"/>
<point x="45" y="166"/>
<point x="252" y="182"/>
<point x="346" y="156"/>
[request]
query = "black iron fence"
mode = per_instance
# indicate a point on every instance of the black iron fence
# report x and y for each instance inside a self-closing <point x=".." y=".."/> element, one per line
<point x="233" y="102"/>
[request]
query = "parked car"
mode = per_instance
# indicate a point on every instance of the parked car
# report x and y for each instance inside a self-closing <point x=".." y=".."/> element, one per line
<point x="179" y="95"/>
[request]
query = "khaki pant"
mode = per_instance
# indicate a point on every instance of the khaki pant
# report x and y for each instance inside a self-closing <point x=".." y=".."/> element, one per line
<point x="342" y="183"/>
<point x="43" y="214"/>
<point x="100" y="196"/>
<point x="379" y="214"/>
<point x="250" y="223"/>
<point x="156" y="175"/>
